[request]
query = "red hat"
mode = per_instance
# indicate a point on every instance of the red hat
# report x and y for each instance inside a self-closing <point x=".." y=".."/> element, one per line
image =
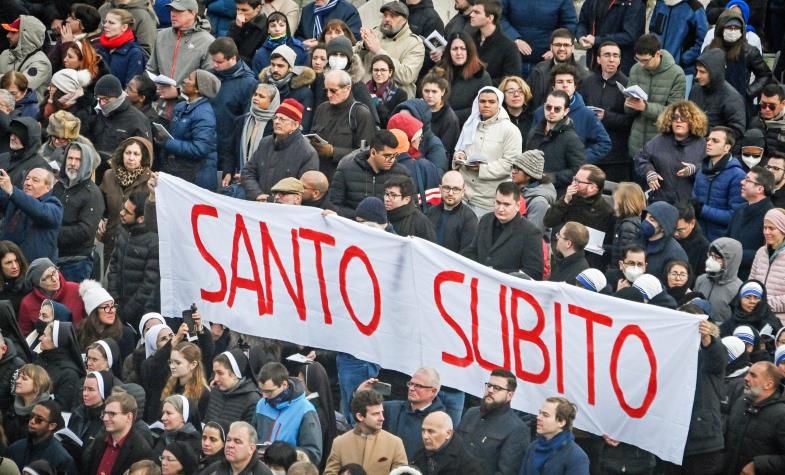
<point x="292" y="109"/>
<point x="13" y="26"/>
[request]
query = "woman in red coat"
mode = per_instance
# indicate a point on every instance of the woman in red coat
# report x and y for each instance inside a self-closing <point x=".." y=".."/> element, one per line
<point x="47" y="283"/>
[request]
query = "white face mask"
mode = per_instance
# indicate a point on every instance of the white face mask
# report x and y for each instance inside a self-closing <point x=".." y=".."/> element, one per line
<point x="632" y="272"/>
<point x="338" y="62"/>
<point x="731" y="36"/>
<point x="713" y="265"/>
<point x="750" y="160"/>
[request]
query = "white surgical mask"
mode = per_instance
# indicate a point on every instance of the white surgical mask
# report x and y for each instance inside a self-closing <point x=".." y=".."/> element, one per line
<point x="338" y="62"/>
<point x="731" y="36"/>
<point x="750" y="160"/>
<point x="632" y="272"/>
<point x="713" y="265"/>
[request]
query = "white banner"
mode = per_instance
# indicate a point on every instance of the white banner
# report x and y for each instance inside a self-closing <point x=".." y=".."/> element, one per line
<point x="288" y="273"/>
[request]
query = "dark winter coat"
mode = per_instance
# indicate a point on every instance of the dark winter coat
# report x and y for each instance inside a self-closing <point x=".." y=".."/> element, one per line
<point x="722" y="104"/>
<point x="107" y="132"/>
<point x="563" y="149"/>
<point x="760" y="317"/>
<point x="65" y="375"/>
<point x="261" y="59"/>
<point x="18" y="163"/>
<point x="27" y="106"/>
<point x="533" y="21"/>
<point x="133" y="450"/>
<point x="344" y="10"/>
<point x="718" y="187"/>
<point x="681" y="29"/>
<point x="83" y="206"/>
<point x="664" y="155"/>
<point x="332" y="123"/>
<point x="500" y="55"/>
<point x="446" y="126"/>
<point x="464" y="91"/>
<point x="665" y="249"/>
<point x="425" y="176"/>
<point x="9" y="363"/>
<point x="188" y="435"/>
<point x="705" y="433"/>
<point x="133" y="277"/>
<point x="86" y="422"/>
<point x="566" y="269"/>
<point x="696" y="246"/>
<point x="540" y="79"/>
<point x="518" y="247"/>
<point x="31" y="223"/>
<point x="524" y="123"/>
<point x="238" y="84"/>
<point x="756" y="433"/>
<point x="456" y="228"/>
<point x="276" y="159"/>
<point x="222" y="467"/>
<point x="235" y="404"/>
<point x="609" y="20"/>
<point x="588" y="127"/>
<point x="144" y="20"/>
<point x="746" y="226"/>
<point x="24" y="451"/>
<point x="124" y="62"/>
<point x="250" y="37"/>
<point x="355" y="180"/>
<point x="593" y="212"/>
<point x="432" y="145"/>
<point x="598" y="92"/>
<point x="192" y="150"/>
<point x="408" y="220"/>
<point x="497" y="438"/>
<point x="626" y="233"/>
<point x="221" y="14"/>
<point x="450" y="459"/>
<point x="401" y="421"/>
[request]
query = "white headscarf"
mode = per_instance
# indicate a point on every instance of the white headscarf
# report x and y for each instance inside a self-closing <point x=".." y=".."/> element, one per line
<point x="151" y="339"/>
<point x="470" y="126"/>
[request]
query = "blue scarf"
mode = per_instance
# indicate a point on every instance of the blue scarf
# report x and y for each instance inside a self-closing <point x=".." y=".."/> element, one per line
<point x="318" y="15"/>
<point x="544" y="449"/>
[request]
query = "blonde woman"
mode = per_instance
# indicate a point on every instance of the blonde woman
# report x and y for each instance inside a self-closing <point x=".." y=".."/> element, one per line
<point x="118" y="47"/>
<point x="517" y="95"/>
<point x="628" y="204"/>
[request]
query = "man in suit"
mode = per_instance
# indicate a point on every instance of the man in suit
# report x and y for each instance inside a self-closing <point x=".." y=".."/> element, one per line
<point x="506" y="241"/>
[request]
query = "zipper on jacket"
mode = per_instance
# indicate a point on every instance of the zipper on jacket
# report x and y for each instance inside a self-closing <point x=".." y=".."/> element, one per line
<point x="174" y="57"/>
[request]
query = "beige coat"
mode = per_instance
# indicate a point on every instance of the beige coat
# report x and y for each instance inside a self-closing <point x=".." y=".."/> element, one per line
<point x="377" y="453"/>
<point x="498" y="140"/>
<point x="406" y="51"/>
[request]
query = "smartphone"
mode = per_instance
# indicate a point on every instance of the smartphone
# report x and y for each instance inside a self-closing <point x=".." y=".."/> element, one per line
<point x="188" y="318"/>
<point x="384" y="389"/>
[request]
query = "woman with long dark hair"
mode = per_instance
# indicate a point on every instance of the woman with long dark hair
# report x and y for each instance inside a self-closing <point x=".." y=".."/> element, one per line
<point x="385" y="94"/>
<point x="465" y="72"/>
<point x="13" y="266"/>
<point x="102" y="320"/>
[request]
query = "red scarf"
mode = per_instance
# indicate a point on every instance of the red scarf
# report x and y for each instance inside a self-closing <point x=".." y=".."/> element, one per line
<point x="117" y="41"/>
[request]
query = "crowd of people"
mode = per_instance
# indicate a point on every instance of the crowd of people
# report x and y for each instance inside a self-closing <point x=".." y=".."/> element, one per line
<point x="630" y="151"/>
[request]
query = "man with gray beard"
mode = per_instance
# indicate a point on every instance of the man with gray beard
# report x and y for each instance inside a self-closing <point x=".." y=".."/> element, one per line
<point x="83" y="208"/>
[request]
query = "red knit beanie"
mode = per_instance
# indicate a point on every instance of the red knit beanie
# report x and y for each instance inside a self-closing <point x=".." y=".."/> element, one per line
<point x="292" y="109"/>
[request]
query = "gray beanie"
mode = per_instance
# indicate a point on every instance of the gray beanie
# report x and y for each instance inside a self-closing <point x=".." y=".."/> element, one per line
<point x="340" y="44"/>
<point x="207" y="83"/>
<point x="37" y="269"/>
<point x="532" y="162"/>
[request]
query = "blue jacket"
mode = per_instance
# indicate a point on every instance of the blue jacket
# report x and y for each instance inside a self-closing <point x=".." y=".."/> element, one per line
<point x="238" y="84"/>
<point x="681" y="29"/>
<point x="262" y="57"/>
<point x="293" y="420"/>
<point x="565" y="457"/>
<point x="27" y="106"/>
<point x="666" y="249"/>
<point x="534" y="20"/>
<point x="588" y="127"/>
<point x="622" y="21"/>
<point x="343" y="11"/>
<point x="221" y="14"/>
<point x="719" y="189"/>
<point x="431" y="146"/>
<point x="193" y="145"/>
<point x="35" y="229"/>
<point x="161" y="9"/>
<point x="425" y="175"/>
<point x="23" y="452"/>
<point x="124" y="62"/>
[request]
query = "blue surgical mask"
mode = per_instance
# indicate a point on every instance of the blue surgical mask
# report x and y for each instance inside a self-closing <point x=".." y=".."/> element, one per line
<point x="647" y="229"/>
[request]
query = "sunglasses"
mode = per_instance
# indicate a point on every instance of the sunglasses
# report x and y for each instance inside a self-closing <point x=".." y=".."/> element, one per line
<point x="768" y="105"/>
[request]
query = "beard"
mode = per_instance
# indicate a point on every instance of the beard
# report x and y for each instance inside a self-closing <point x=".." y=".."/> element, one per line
<point x="71" y="174"/>
<point x="491" y="405"/>
<point x="389" y="31"/>
<point x="752" y="393"/>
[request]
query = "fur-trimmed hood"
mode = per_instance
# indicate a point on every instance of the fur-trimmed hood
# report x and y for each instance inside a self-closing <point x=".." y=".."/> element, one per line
<point x="303" y="77"/>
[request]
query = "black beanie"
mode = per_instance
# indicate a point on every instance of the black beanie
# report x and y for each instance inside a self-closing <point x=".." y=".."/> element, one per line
<point x="108" y="86"/>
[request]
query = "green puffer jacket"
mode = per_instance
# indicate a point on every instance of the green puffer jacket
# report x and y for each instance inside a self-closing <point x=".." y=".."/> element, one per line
<point x="665" y="85"/>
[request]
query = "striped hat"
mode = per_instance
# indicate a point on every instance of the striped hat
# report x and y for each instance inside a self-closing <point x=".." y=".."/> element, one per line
<point x="734" y="346"/>
<point x="745" y="334"/>
<point x="592" y="279"/>
<point x="751" y="288"/>
<point x="292" y="109"/>
<point x="779" y="355"/>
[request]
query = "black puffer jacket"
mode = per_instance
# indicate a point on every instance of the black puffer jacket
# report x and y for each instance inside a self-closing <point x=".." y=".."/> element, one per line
<point x="755" y="434"/>
<point x="86" y="422"/>
<point x="83" y="206"/>
<point x="593" y="211"/>
<point x="133" y="273"/>
<point x="563" y="149"/>
<point x="627" y="232"/>
<point x="453" y="459"/>
<point x="722" y="103"/>
<point x="236" y="404"/>
<point x="107" y="132"/>
<point x="355" y="180"/>
<point x="599" y="92"/>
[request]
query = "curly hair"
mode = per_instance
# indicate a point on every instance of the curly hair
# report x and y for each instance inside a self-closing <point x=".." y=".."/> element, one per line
<point x="695" y="117"/>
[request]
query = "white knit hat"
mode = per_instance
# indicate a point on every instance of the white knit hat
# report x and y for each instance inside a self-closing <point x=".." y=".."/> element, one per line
<point x="649" y="286"/>
<point x="93" y="295"/>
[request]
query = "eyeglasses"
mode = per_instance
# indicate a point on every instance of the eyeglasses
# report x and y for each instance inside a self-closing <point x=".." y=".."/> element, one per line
<point x="561" y="45"/>
<point x="53" y="276"/>
<point x="392" y="196"/>
<point x="644" y="61"/>
<point x="514" y="92"/>
<point x="551" y="108"/>
<point x="38" y="419"/>
<point x="389" y="157"/>
<point x="413" y="385"/>
<point x="334" y="90"/>
<point x="495" y="388"/>
<point x="110" y="414"/>
<point x="447" y="190"/>
<point x="380" y="70"/>
<point x="768" y="105"/>
<point x="108" y="308"/>
<point x="576" y="180"/>
<point x="678" y="118"/>
<point x="678" y="275"/>
<point x="749" y="180"/>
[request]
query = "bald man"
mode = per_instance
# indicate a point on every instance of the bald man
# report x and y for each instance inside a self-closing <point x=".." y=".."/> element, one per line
<point x="443" y="451"/>
<point x="316" y="190"/>
<point x="455" y="223"/>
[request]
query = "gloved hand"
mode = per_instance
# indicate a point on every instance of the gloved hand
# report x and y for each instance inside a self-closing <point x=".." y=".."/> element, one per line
<point x="697" y="206"/>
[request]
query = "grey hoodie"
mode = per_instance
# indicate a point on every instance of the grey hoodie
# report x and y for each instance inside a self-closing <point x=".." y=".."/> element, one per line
<point x="191" y="46"/>
<point x="539" y="197"/>
<point x="722" y="287"/>
<point x="28" y="57"/>
<point x="90" y="161"/>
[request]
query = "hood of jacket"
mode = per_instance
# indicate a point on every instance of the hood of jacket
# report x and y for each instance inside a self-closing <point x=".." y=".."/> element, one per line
<point x="90" y="161"/>
<point x="577" y="102"/>
<point x="666" y="63"/>
<point x="29" y="98"/>
<point x="744" y="7"/>
<point x="237" y="71"/>
<point x="713" y="59"/>
<point x="544" y="190"/>
<point x="116" y="160"/>
<point x="31" y="36"/>
<point x="665" y="214"/>
<point x="719" y="28"/>
<point x="32" y="142"/>
<point x="303" y="77"/>
<point x="356" y="68"/>
<point x="419" y="109"/>
<point x="731" y="252"/>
